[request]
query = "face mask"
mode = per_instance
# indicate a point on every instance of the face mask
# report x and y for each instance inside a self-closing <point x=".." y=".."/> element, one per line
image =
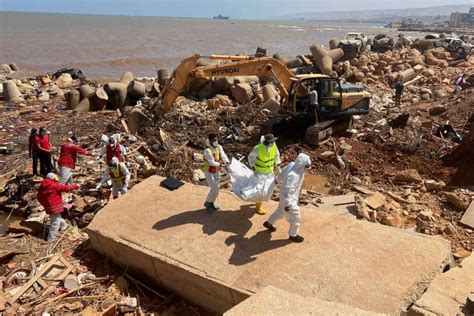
<point x="215" y="143"/>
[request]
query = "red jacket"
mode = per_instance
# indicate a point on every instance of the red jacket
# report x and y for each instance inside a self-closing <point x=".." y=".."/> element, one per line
<point x="43" y="145"/>
<point x="49" y="195"/>
<point x="111" y="153"/>
<point x="68" y="155"/>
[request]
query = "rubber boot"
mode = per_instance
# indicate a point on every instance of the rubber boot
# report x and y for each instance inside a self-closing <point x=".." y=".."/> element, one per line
<point x="296" y="239"/>
<point x="259" y="209"/>
<point x="209" y="208"/>
<point x="215" y="207"/>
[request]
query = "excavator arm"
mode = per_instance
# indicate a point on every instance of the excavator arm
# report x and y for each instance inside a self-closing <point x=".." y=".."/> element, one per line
<point x="262" y="67"/>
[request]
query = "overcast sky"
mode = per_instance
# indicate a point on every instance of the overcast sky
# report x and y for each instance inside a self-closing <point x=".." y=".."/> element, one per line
<point x="251" y="9"/>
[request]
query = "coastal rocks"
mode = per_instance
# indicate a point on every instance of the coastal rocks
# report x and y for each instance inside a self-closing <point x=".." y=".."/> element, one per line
<point x="11" y="92"/>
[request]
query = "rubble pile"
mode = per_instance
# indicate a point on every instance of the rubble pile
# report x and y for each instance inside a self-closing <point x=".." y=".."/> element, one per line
<point x="410" y="167"/>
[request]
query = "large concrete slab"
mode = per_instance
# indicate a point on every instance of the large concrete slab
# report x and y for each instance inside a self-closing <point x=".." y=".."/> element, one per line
<point x="218" y="260"/>
<point x="273" y="301"/>
<point x="448" y="293"/>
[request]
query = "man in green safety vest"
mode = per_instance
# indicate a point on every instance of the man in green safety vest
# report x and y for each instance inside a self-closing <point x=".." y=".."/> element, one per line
<point x="264" y="158"/>
<point x="118" y="173"/>
<point x="214" y="156"/>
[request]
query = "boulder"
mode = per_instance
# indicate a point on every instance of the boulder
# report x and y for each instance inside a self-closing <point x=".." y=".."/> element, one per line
<point x="361" y="208"/>
<point x="408" y="175"/>
<point x="44" y="96"/>
<point x="437" y="110"/>
<point x="433" y="185"/>
<point x="64" y="81"/>
<point x="219" y="100"/>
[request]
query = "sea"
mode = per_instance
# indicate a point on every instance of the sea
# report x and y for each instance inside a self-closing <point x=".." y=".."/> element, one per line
<point x="105" y="46"/>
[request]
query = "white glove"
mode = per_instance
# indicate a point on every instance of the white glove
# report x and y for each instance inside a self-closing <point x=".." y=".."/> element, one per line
<point x="99" y="185"/>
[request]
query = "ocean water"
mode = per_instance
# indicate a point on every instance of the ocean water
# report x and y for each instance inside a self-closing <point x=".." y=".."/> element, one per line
<point x="105" y="46"/>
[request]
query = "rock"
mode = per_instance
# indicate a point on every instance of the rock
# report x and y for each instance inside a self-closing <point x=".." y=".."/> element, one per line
<point x="433" y="185"/>
<point x="11" y="92"/>
<point x="54" y="90"/>
<point x="376" y="200"/>
<point x="64" y="81"/>
<point x="468" y="217"/>
<point x="439" y="94"/>
<point x="326" y="154"/>
<point x="23" y="226"/>
<point x="470" y="303"/>
<point x="44" y="96"/>
<point x="398" y="120"/>
<point x="426" y="216"/>
<point x="361" y="208"/>
<point x="456" y="201"/>
<point x="460" y="253"/>
<point x="198" y="175"/>
<point x="408" y="175"/>
<point x="437" y="110"/>
<point x="242" y="93"/>
<point x="425" y="97"/>
<point x="393" y="220"/>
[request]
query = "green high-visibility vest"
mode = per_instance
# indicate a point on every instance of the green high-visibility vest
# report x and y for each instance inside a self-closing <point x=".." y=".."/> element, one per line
<point x="266" y="158"/>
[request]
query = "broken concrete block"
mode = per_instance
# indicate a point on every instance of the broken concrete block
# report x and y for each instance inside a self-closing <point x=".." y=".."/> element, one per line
<point x="242" y="93"/>
<point x="269" y="92"/>
<point x="408" y="175"/>
<point x="263" y="303"/>
<point x="376" y="200"/>
<point x="361" y="208"/>
<point x="216" y="261"/>
<point x="272" y="104"/>
<point x="468" y="217"/>
<point x="448" y="292"/>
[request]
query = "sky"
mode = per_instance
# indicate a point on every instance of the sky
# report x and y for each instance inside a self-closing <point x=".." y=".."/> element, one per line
<point x="244" y="9"/>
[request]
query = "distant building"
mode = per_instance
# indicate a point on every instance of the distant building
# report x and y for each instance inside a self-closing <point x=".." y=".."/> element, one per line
<point x="411" y="22"/>
<point x="462" y="19"/>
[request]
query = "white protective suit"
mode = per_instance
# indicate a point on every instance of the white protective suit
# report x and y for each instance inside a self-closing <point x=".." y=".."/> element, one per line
<point x="252" y="186"/>
<point x="292" y="177"/>
<point x="116" y="188"/>
<point x="213" y="179"/>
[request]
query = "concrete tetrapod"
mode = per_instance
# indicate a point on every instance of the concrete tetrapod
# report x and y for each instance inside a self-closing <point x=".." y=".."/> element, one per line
<point x="6" y="69"/>
<point x="333" y="42"/>
<point x="294" y="63"/>
<point x="86" y="91"/>
<point x="98" y="100"/>
<point x="11" y="92"/>
<point x="269" y="92"/>
<point x="163" y="76"/>
<point x="324" y="59"/>
<point x="117" y="93"/>
<point x="73" y="98"/>
<point x="127" y="77"/>
<point x="136" y="89"/>
<point x="14" y="67"/>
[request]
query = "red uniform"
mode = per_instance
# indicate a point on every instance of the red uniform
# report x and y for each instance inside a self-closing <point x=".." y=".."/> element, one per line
<point x="115" y="152"/>
<point x="49" y="195"/>
<point x="68" y="155"/>
<point x="43" y="144"/>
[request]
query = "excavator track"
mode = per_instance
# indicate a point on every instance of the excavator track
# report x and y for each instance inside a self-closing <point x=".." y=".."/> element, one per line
<point x="322" y="130"/>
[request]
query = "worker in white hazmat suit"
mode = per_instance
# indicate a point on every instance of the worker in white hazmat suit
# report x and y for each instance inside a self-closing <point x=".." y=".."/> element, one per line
<point x="214" y="156"/>
<point x="292" y="177"/>
<point x="265" y="159"/>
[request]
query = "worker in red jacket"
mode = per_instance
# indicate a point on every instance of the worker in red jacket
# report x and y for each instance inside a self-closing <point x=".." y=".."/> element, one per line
<point x="33" y="150"/>
<point x="113" y="149"/>
<point x="44" y="152"/>
<point x="49" y="195"/>
<point x="68" y="157"/>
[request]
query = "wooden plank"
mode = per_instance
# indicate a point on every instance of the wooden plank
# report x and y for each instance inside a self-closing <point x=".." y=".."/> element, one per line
<point x="34" y="279"/>
<point x="125" y="126"/>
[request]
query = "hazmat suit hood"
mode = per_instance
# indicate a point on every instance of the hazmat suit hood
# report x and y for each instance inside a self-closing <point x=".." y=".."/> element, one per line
<point x="301" y="162"/>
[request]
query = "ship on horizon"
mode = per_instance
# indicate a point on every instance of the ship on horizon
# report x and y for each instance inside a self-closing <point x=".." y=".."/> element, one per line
<point x="221" y="17"/>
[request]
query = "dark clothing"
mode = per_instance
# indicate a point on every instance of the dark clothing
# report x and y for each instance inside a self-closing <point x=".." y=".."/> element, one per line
<point x="399" y="88"/>
<point x="35" y="157"/>
<point x="45" y="163"/>
<point x="33" y="151"/>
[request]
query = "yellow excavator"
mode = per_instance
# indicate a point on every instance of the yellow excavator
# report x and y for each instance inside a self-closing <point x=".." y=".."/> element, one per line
<point x="333" y="112"/>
